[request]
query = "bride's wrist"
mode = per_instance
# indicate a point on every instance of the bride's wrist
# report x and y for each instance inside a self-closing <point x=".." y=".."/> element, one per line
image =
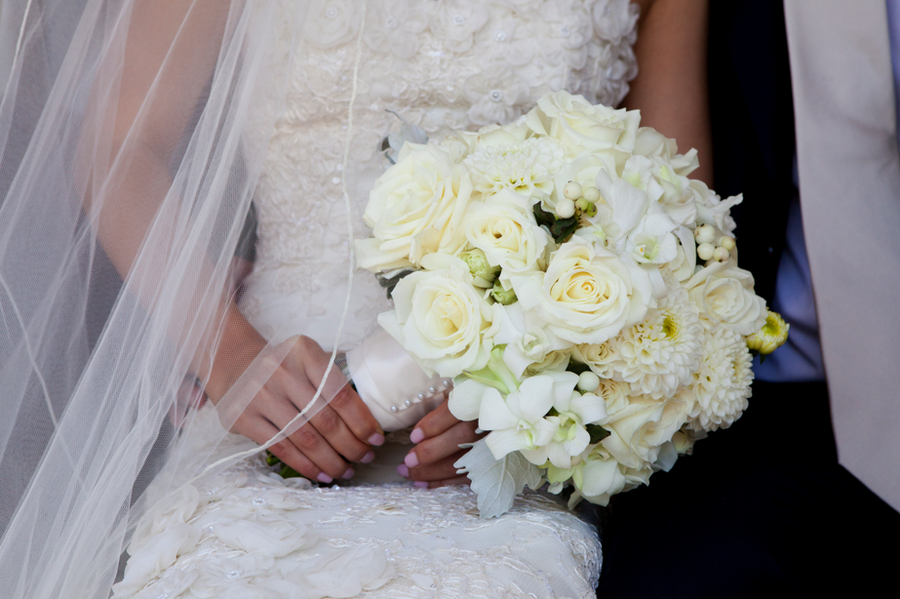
<point x="238" y="346"/>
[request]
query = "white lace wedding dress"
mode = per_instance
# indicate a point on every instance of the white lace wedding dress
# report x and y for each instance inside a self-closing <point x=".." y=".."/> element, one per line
<point x="441" y="65"/>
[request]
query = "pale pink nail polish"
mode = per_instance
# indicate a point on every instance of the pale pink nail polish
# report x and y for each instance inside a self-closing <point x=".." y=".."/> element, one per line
<point x="324" y="478"/>
<point x="416" y="436"/>
<point x="349" y="473"/>
<point x="421" y="484"/>
<point x="411" y="460"/>
<point x="403" y="471"/>
<point x="367" y="458"/>
<point x="377" y="440"/>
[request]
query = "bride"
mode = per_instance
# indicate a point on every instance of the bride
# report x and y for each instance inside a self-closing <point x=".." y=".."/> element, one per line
<point x="156" y="125"/>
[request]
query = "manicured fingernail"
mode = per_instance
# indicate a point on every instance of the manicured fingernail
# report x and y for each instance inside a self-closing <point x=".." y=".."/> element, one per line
<point x="421" y="484"/>
<point x="324" y="478"/>
<point x="367" y="458"/>
<point x="349" y="473"/>
<point x="411" y="460"/>
<point x="403" y="471"/>
<point x="416" y="436"/>
<point x="376" y="440"/>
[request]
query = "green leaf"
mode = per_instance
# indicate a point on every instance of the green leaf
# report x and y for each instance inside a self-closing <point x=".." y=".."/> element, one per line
<point x="597" y="433"/>
<point x="497" y="482"/>
<point x="561" y="229"/>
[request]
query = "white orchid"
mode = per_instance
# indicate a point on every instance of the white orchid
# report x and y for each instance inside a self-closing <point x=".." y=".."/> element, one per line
<point x="571" y="437"/>
<point x="519" y="422"/>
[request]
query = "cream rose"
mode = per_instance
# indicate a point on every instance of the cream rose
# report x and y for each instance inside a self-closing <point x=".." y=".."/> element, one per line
<point x="505" y="230"/>
<point x="582" y="126"/>
<point x="638" y="431"/>
<point x="724" y="294"/>
<point x="415" y="209"/>
<point x="441" y="319"/>
<point x="587" y="294"/>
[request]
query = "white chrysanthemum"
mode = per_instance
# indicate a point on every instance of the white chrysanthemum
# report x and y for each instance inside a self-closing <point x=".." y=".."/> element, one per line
<point x="525" y="167"/>
<point x="660" y="354"/>
<point x="722" y="383"/>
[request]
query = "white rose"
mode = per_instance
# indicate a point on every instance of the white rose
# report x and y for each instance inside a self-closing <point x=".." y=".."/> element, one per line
<point x="583" y="127"/>
<point x="638" y="431"/>
<point x="724" y="294"/>
<point x="587" y="294"/>
<point x="504" y="229"/>
<point x="415" y="209"/>
<point x="441" y="319"/>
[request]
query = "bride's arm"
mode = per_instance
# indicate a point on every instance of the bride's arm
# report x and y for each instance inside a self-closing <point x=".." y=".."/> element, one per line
<point x="170" y="56"/>
<point x="671" y="88"/>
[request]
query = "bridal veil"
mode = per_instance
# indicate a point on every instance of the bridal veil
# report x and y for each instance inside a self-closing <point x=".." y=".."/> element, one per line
<point x="111" y="152"/>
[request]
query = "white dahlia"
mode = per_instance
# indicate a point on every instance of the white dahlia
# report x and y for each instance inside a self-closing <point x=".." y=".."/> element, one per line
<point x="526" y="167"/>
<point x="722" y="383"/>
<point x="660" y="354"/>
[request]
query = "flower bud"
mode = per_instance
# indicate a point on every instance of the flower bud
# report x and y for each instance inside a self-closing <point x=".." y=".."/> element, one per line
<point x="503" y="296"/>
<point x="483" y="273"/>
<point x="705" y="234"/>
<point x="771" y="336"/>
<point x="588" y="382"/>
<point x="565" y="208"/>
<point x="591" y="194"/>
<point x="572" y="190"/>
<point x="705" y="251"/>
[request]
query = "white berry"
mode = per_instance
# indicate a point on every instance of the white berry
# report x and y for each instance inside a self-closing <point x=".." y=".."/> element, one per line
<point x="588" y="382"/>
<point x="572" y="190"/>
<point x="727" y="243"/>
<point x="705" y="251"/>
<point x="705" y="234"/>
<point x="591" y="194"/>
<point x="565" y="208"/>
<point x="721" y="254"/>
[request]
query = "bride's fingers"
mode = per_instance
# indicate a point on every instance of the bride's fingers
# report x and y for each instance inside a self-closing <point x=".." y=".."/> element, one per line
<point x="261" y="430"/>
<point x="357" y="416"/>
<point x="333" y="428"/>
<point x="439" y="470"/>
<point x="434" y="423"/>
<point x="447" y="443"/>
<point x="310" y="443"/>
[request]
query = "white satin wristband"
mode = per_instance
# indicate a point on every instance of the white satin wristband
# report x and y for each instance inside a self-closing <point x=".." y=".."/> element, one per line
<point x="392" y="385"/>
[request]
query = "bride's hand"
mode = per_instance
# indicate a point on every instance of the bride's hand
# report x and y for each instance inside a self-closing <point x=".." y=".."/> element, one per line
<point x="343" y="430"/>
<point x="438" y="437"/>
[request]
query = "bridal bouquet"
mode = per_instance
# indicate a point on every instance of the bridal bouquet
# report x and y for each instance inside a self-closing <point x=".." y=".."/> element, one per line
<point x="582" y="292"/>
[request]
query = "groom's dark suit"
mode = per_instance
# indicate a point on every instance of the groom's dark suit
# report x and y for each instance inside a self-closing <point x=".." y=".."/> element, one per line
<point x="764" y="506"/>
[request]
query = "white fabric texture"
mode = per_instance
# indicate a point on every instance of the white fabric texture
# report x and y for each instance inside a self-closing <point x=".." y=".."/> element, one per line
<point x="161" y="154"/>
<point x="445" y="71"/>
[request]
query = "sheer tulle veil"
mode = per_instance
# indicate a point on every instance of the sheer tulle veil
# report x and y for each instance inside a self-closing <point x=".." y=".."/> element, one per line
<point x="157" y="153"/>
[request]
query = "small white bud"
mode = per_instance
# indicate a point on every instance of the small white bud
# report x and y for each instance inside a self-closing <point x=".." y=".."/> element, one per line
<point x="572" y="190"/>
<point x="727" y="243"/>
<point x="704" y="234"/>
<point x="565" y="208"/>
<point x="705" y="251"/>
<point x="591" y="194"/>
<point x="721" y="254"/>
<point x="588" y="382"/>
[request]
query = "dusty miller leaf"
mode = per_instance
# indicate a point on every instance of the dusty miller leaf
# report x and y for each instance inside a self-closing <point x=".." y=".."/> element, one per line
<point x="497" y="482"/>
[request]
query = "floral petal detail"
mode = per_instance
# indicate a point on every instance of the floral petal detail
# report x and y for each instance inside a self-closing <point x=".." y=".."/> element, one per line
<point x="504" y="442"/>
<point x="465" y="399"/>
<point x="495" y="414"/>
<point x="589" y="407"/>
